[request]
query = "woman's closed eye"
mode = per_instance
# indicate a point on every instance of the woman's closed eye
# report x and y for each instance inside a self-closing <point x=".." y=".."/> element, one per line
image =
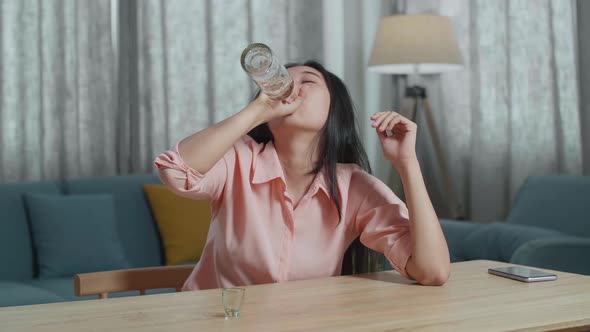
<point x="303" y="82"/>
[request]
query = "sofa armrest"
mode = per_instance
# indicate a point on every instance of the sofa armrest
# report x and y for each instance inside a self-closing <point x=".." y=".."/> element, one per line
<point x="455" y="232"/>
<point x="568" y="254"/>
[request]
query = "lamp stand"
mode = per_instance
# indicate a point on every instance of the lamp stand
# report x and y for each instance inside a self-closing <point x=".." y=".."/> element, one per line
<point x="419" y="101"/>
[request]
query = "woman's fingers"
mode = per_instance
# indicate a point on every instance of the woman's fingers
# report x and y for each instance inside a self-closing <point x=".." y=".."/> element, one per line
<point x="391" y="118"/>
<point x="294" y="94"/>
<point x="378" y="118"/>
<point x="376" y="115"/>
<point x="383" y="121"/>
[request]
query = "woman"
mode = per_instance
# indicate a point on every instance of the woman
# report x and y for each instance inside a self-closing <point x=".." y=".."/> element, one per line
<point x="290" y="190"/>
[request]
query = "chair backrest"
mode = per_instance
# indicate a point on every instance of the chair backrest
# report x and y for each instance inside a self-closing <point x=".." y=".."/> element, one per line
<point x="557" y="202"/>
<point x="140" y="279"/>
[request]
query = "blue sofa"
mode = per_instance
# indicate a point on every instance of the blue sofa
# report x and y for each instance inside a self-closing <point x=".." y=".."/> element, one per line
<point x="547" y="227"/>
<point x="20" y="283"/>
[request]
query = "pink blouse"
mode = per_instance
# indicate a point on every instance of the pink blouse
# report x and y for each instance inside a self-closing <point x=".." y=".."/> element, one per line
<point x="256" y="236"/>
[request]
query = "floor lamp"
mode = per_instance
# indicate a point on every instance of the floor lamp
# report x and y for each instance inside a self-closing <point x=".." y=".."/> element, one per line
<point x="420" y="44"/>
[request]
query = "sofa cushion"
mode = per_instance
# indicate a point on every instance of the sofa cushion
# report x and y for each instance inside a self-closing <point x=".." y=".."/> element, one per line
<point x="183" y="223"/>
<point x="498" y="241"/>
<point x="16" y="249"/>
<point x="559" y="202"/>
<point x="18" y="293"/>
<point x="137" y="228"/>
<point x="64" y="287"/>
<point x="74" y="234"/>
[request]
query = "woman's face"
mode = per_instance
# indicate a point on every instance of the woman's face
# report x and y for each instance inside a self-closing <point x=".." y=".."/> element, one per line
<point x="313" y="112"/>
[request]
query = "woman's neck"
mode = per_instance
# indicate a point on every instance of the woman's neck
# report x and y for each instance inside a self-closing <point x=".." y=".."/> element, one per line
<point x="298" y="154"/>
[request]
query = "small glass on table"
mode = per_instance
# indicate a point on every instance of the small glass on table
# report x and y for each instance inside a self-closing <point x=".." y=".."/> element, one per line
<point x="232" y="299"/>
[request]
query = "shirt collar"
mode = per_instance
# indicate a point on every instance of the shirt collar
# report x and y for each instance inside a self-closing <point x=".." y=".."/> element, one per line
<point x="267" y="167"/>
<point x="320" y="182"/>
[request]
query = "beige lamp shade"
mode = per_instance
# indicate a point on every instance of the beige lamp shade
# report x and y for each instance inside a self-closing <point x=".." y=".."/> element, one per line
<point x="421" y="44"/>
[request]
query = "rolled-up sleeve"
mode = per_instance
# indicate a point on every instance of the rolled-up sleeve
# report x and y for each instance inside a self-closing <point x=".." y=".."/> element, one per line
<point x="382" y="221"/>
<point x="188" y="182"/>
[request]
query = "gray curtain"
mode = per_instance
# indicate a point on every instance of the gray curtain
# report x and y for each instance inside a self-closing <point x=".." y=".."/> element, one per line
<point x="187" y="62"/>
<point x="100" y="87"/>
<point x="583" y="12"/>
<point x="514" y="111"/>
<point x="57" y="88"/>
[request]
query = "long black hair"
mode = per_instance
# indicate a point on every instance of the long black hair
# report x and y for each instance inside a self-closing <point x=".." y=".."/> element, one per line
<point x="339" y="142"/>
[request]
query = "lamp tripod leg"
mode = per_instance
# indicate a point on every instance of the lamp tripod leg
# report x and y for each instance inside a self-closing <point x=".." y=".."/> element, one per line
<point x="455" y="206"/>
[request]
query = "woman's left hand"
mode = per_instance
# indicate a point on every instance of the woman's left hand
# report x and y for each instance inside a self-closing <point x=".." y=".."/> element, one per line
<point x="400" y="147"/>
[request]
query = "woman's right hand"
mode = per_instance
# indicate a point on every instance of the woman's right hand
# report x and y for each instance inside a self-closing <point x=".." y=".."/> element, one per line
<point x="269" y="109"/>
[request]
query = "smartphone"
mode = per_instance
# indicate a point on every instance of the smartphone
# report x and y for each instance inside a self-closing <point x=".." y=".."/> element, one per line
<point x="521" y="273"/>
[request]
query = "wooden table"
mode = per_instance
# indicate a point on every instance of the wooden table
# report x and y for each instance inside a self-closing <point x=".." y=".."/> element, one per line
<point x="472" y="300"/>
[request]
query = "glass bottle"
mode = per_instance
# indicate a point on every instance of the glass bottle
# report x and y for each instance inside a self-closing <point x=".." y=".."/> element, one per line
<point x="266" y="70"/>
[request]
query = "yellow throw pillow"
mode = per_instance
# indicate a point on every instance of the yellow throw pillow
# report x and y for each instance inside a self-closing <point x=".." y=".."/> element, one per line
<point x="183" y="223"/>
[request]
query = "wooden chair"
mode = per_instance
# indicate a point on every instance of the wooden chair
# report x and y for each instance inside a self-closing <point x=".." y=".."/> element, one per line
<point x="141" y="279"/>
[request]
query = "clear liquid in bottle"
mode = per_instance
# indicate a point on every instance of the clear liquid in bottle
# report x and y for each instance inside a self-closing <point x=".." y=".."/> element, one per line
<point x="266" y="70"/>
